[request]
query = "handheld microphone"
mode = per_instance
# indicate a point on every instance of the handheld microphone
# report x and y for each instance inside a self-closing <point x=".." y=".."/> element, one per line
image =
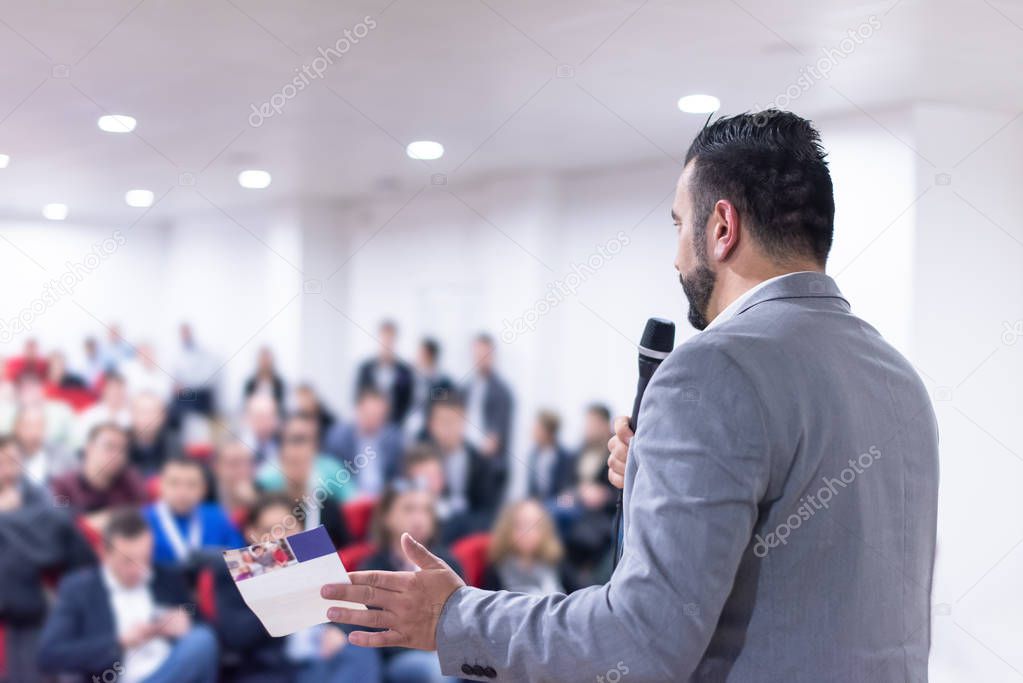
<point x="657" y="342"/>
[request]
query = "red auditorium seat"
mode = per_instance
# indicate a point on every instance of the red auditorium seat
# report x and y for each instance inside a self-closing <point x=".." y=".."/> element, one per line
<point x="3" y="653"/>
<point x="352" y="556"/>
<point x="205" y="595"/>
<point x="199" y="451"/>
<point x="91" y="534"/>
<point x="78" y="399"/>
<point x="471" y="553"/>
<point x="357" y="515"/>
<point x="153" y="488"/>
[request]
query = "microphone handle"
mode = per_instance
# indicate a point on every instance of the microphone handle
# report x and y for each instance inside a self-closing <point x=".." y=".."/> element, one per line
<point x="646" y="371"/>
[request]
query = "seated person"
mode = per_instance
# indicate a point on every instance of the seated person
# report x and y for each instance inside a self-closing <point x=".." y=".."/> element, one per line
<point x="320" y="654"/>
<point x="309" y="404"/>
<point x="58" y="416"/>
<point x="105" y="480"/>
<point x="113" y="407"/>
<point x="182" y="524"/>
<point x="370" y="445"/>
<point x="127" y="619"/>
<point x="317" y="484"/>
<point x="41" y="462"/>
<point x="153" y="441"/>
<point x="37" y="539"/>
<point x="551" y="468"/>
<point x="585" y="515"/>
<point x="473" y="483"/>
<point x="525" y="553"/>
<point x="234" y="478"/>
<point x="406" y="507"/>
<point x="260" y="425"/>
<point x="59" y="377"/>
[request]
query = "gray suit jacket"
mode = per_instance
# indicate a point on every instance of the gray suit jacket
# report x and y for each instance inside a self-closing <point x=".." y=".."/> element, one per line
<point x="780" y="514"/>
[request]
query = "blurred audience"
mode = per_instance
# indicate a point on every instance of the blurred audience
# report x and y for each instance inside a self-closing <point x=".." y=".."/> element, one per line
<point x="525" y="553"/>
<point x="473" y="484"/>
<point x="308" y="403"/>
<point x="144" y="375"/>
<point x="41" y="462"/>
<point x="317" y="484"/>
<point x="387" y="373"/>
<point x="127" y="620"/>
<point x="369" y="445"/>
<point x="37" y="540"/>
<point x="30" y="392"/>
<point x="183" y="525"/>
<point x="407" y="507"/>
<point x="489" y="403"/>
<point x="153" y="442"/>
<point x="113" y="406"/>
<point x="104" y="480"/>
<point x="234" y="477"/>
<point x="551" y="467"/>
<point x="194" y="372"/>
<point x="59" y="377"/>
<point x="117" y="350"/>
<point x="430" y="383"/>
<point x="94" y="363"/>
<point x="266" y="380"/>
<point x="260" y="423"/>
<point x="30" y="361"/>
<point x="418" y="454"/>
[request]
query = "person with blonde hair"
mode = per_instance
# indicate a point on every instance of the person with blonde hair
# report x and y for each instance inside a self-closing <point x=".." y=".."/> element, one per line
<point x="525" y="552"/>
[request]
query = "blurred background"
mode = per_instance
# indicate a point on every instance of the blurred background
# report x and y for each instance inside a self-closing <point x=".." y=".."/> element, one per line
<point x="238" y="227"/>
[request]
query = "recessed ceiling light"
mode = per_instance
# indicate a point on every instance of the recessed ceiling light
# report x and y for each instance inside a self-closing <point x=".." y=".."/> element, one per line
<point x="116" y="123"/>
<point x="426" y="150"/>
<point x="254" y="179"/>
<point x="55" y="212"/>
<point x="138" y="199"/>
<point x="699" y="104"/>
<point x="4" y="160"/>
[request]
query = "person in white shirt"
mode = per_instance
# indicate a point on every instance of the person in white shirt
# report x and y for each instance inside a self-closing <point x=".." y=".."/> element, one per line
<point x="41" y="462"/>
<point x="127" y="619"/>
<point x="144" y="375"/>
<point x="112" y="407"/>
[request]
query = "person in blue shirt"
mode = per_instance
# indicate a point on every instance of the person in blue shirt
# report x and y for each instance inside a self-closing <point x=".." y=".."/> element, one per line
<point x="183" y="526"/>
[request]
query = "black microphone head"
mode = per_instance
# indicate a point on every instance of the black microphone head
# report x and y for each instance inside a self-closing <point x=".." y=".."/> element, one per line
<point x="658" y="338"/>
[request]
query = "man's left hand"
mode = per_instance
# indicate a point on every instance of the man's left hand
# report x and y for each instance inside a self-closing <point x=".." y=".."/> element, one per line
<point x="410" y="603"/>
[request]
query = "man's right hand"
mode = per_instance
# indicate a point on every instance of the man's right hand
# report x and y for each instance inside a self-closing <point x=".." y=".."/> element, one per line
<point x="619" y="448"/>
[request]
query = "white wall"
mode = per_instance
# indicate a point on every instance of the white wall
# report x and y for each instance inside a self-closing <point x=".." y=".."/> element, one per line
<point x="967" y="319"/>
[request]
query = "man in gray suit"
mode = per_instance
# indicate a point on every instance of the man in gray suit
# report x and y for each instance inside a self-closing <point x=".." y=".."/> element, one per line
<point x="781" y="489"/>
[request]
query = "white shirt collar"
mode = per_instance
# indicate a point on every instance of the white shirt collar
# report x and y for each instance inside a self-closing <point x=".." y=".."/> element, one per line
<point x="733" y="308"/>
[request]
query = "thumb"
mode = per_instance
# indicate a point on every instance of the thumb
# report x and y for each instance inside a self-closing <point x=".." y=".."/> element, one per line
<point x="419" y="555"/>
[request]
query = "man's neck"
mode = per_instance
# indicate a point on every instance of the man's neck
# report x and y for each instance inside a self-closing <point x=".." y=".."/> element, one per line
<point x="734" y="285"/>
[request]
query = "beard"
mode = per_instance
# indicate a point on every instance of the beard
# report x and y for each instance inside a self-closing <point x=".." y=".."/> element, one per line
<point x="698" y="288"/>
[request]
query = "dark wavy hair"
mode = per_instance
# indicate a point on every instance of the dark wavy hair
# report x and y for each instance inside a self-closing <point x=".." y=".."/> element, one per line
<point x="772" y="167"/>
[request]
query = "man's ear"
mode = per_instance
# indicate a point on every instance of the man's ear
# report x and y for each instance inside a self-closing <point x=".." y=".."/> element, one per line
<point x="725" y="230"/>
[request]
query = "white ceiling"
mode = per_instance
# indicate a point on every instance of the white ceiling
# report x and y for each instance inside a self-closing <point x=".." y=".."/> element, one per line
<point x="480" y="76"/>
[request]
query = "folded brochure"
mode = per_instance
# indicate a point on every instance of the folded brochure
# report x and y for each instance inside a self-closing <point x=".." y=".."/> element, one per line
<point x="280" y="580"/>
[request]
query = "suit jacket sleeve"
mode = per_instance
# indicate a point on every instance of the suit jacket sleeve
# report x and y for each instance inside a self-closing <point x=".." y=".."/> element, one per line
<point x="63" y="645"/>
<point x="698" y="467"/>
